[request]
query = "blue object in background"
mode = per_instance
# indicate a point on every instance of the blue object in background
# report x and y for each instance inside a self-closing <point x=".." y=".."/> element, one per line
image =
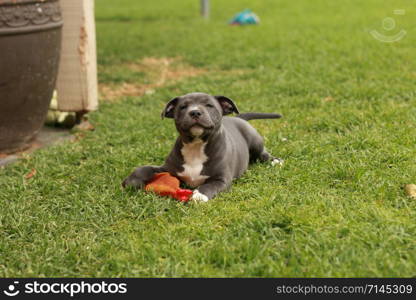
<point x="244" y="18"/>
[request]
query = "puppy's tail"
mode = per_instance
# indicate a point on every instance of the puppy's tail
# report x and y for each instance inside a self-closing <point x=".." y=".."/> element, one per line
<point x="257" y="116"/>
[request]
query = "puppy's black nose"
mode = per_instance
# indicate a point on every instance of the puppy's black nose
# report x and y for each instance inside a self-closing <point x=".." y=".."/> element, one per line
<point x="195" y="113"/>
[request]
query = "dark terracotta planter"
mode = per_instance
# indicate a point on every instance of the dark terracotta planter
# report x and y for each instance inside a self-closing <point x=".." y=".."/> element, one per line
<point x="30" y="39"/>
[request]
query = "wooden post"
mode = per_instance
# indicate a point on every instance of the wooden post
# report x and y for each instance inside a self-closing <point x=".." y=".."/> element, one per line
<point x="77" y="77"/>
<point x="205" y="8"/>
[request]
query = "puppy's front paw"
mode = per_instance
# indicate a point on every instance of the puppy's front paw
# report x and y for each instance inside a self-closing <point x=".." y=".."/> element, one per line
<point x="277" y="161"/>
<point x="199" y="197"/>
<point x="133" y="182"/>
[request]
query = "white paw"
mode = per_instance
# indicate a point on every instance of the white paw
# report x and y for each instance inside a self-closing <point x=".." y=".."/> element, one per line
<point x="277" y="161"/>
<point x="199" y="197"/>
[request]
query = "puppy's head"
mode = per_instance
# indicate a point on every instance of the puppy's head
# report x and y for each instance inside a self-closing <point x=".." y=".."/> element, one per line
<point x="198" y="115"/>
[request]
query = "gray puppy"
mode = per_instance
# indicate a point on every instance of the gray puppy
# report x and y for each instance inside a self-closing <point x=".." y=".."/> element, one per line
<point x="211" y="149"/>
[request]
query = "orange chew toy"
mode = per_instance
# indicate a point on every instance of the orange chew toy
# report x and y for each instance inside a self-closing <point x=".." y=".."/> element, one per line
<point x="165" y="184"/>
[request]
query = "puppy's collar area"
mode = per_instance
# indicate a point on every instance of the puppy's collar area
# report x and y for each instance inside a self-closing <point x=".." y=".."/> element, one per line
<point x="187" y="139"/>
<point x="195" y="141"/>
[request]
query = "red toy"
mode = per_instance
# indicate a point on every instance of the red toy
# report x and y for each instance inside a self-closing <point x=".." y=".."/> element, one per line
<point x="165" y="184"/>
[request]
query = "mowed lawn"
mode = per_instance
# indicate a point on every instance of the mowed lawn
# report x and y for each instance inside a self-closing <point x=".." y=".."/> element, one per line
<point x="336" y="208"/>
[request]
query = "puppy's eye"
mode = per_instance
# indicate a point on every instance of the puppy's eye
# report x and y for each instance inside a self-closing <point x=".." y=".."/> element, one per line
<point x="209" y="105"/>
<point x="182" y="106"/>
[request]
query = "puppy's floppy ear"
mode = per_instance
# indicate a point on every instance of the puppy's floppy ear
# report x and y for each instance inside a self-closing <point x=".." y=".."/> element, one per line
<point x="169" y="108"/>
<point x="228" y="106"/>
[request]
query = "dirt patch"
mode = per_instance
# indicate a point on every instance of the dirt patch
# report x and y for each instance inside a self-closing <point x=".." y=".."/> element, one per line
<point x="159" y="72"/>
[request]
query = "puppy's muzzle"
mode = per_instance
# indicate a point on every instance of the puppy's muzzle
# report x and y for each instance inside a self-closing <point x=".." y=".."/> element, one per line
<point x="195" y="114"/>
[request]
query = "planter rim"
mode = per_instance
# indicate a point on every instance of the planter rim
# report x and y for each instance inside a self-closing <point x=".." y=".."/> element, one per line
<point x="23" y="30"/>
<point x="17" y="2"/>
<point x="25" y="16"/>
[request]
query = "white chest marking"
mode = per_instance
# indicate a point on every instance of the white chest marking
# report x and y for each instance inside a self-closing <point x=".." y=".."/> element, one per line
<point x="194" y="158"/>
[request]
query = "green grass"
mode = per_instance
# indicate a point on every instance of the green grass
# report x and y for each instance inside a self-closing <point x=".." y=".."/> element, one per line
<point x="335" y="209"/>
